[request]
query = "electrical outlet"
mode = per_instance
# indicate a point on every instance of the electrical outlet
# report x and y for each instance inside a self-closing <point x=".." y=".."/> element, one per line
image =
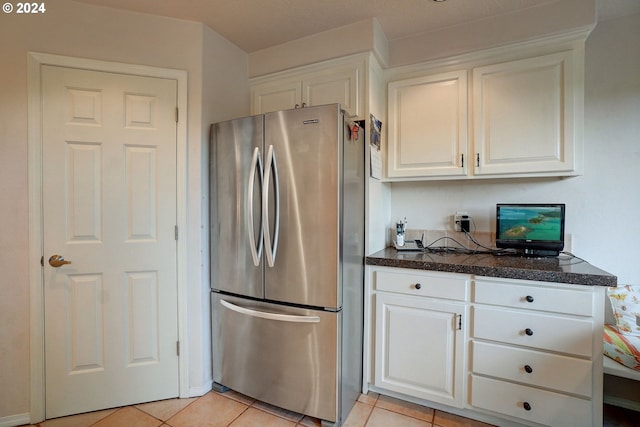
<point x="457" y="220"/>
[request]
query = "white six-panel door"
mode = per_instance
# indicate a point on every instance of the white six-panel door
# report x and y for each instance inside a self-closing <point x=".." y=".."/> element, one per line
<point x="109" y="207"/>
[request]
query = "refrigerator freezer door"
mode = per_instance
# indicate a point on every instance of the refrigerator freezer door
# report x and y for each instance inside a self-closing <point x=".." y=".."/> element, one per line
<point x="235" y="185"/>
<point x="306" y="143"/>
<point x="281" y="355"/>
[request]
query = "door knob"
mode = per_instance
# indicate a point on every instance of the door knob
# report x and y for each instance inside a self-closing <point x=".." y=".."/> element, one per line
<point x="57" y="261"/>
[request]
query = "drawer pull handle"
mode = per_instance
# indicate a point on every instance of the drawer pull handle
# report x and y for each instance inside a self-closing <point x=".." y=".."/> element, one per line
<point x="529" y="298"/>
<point x="528" y="331"/>
<point x="527" y="406"/>
<point x="418" y="286"/>
<point x="528" y="369"/>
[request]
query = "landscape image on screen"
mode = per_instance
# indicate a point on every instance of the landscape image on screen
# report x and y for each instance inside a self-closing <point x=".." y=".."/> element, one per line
<point x="530" y="223"/>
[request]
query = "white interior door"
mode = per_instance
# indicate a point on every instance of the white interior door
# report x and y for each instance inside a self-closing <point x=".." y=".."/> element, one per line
<point x="109" y="208"/>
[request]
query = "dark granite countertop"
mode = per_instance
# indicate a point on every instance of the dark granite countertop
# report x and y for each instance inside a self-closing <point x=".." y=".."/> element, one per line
<point x="562" y="269"/>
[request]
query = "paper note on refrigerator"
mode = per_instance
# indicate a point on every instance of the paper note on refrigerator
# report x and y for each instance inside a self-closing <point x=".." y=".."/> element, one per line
<point x="376" y="155"/>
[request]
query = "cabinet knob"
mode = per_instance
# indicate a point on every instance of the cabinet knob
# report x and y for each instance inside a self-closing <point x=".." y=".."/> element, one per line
<point x="529" y="298"/>
<point x="528" y="369"/>
<point x="418" y="285"/>
<point x="527" y="406"/>
<point x="528" y="331"/>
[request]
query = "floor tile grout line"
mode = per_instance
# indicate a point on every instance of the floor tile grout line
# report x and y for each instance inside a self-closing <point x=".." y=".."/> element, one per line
<point x="240" y="414"/>
<point x="252" y="405"/>
<point x="107" y="416"/>
<point x="173" y="415"/>
<point x="433" y="411"/>
<point x="372" y="406"/>
<point x="370" y="413"/>
<point x="146" y="413"/>
<point x="120" y="408"/>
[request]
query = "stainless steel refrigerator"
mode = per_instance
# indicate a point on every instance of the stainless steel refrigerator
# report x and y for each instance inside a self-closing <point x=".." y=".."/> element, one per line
<point x="287" y="255"/>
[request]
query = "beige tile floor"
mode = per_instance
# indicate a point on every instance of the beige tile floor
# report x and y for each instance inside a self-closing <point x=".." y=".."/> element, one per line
<point x="235" y="410"/>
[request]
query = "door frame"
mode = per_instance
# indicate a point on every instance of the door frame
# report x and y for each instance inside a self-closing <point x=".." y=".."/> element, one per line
<point x="35" y="62"/>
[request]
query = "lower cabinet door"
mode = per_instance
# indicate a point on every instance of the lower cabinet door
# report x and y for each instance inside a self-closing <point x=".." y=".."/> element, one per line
<point x="419" y="348"/>
<point x="531" y="404"/>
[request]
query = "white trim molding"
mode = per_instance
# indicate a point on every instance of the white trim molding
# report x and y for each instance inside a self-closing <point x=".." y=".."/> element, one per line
<point x="14" y="420"/>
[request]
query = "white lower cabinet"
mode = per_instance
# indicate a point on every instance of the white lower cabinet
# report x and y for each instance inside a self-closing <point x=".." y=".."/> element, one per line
<point x="419" y="344"/>
<point x="536" y="351"/>
<point x="419" y="349"/>
<point x="504" y="351"/>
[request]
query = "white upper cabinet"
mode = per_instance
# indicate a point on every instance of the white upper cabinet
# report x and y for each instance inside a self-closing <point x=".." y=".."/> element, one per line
<point x="428" y="126"/>
<point x="513" y="118"/>
<point x="275" y="96"/>
<point x="523" y="117"/>
<point x="331" y="82"/>
<point x="337" y="85"/>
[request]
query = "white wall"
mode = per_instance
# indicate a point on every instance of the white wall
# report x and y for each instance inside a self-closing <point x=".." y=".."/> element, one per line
<point x="526" y="24"/>
<point x="214" y="93"/>
<point x="225" y="96"/>
<point x="361" y="36"/>
<point x="602" y="203"/>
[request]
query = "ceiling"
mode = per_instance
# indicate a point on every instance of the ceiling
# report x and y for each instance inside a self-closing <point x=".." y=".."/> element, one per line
<point x="253" y="25"/>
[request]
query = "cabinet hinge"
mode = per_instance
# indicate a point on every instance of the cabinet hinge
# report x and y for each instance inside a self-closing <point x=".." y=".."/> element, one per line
<point x="177" y="114"/>
<point x="462" y="160"/>
<point x="478" y="159"/>
<point x="459" y="322"/>
<point x="42" y="260"/>
<point x="177" y="348"/>
<point x="175" y="232"/>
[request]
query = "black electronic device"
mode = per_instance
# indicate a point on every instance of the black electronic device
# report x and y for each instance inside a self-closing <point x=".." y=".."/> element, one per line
<point x="531" y="229"/>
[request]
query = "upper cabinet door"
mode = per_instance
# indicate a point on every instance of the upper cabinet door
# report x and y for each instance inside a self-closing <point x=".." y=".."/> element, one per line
<point x="276" y="96"/>
<point x="330" y="82"/>
<point x="525" y="115"/>
<point x="338" y="85"/>
<point x="428" y="134"/>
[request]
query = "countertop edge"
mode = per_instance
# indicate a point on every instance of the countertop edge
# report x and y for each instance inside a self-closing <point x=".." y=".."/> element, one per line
<point x="497" y="271"/>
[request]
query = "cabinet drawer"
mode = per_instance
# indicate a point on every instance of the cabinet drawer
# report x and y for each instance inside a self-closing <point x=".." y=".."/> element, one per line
<point x="531" y="404"/>
<point x="515" y="295"/>
<point x="553" y="371"/>
<point x="530" y="329"/>
<point x="420" y="284"/>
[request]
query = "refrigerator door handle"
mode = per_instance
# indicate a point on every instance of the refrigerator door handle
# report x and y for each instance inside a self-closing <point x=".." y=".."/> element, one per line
<point x="271" y="247"/>
<point x="270" y="316"/>
<point x="256" y="163"/>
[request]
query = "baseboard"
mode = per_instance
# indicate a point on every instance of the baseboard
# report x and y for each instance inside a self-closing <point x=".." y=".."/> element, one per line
<point x="201" y="390"/>
<point x="15" y="420"/>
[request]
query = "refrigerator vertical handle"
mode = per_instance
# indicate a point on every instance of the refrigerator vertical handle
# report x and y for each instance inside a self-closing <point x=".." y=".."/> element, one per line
<point x="271" y="247"/>
<point x="256" y="251"/>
